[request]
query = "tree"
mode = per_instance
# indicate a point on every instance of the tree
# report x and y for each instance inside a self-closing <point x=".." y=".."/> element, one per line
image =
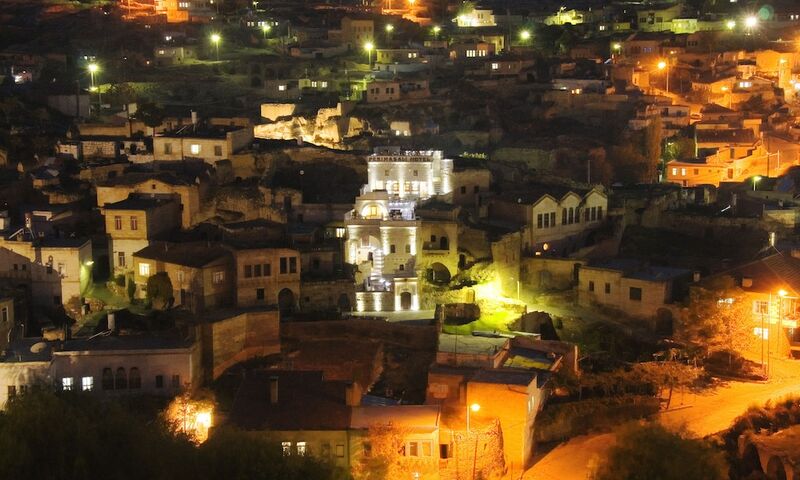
<point x="718" y="317"/>
<point x="648" y="451"/>
<point x="150" y="114"/>
<point x="159" y="290"/>
<point x="383" y="459"/>
<point x="630" y="166"/>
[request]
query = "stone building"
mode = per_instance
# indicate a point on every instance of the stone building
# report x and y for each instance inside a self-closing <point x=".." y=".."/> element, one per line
<point x="209" y="144"/>
<point x="201" y="273"/>
<point x="553" y="218"/>
<point x="56" y="269"/>
<point x="382" y="229"/>
<point x="132" y="224"/>
<point x="191" y="191"/>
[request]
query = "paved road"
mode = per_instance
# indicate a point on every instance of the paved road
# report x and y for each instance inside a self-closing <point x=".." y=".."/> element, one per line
<point x="703" y="414"/>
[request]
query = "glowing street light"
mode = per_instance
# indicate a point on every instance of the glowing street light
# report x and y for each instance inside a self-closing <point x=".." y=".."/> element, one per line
<point x="93" y="68"/>
<point x="436" y="30"/>
<point x="472" y="408"/>
<point x="215" y="39"/>
<point x="751" y="22"/>
<point x="730" y="24"/>
<point x="265" y="28"/>
<point x="389" y="28"/>
<point x="369" y="47"/>
<point x="525" y="35"/>
<point x="617" y="47"/>
<point x="757" y="179"/>
<point x="664" y="65"/>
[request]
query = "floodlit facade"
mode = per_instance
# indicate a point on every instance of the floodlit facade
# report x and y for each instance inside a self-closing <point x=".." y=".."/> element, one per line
<point x="382" y="229"/>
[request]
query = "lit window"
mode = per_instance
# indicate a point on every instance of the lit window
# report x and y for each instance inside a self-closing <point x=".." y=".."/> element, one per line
<point x="683" y="172"/>
<point x="301" y="448"/>
<point x="286" y="447"/>
<point x="323" y="84"/>
<point x="495" y="66"/>
<point x="674" y="171"/>
<point x="281" y="88"/>
<point x="144" y="269"/>
<point x="195" y="149"/>
<point x="66" y="383"/>
<point x="87" y="384"/>
<point x="218" y="277"/>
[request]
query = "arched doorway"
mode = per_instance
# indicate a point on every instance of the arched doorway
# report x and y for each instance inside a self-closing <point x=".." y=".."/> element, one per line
<point x="405" y="300"/>
<point x="443" y="243"/>
<point x="286" y="302"/>
<point x="438" y="274"/>
<point x="750" y="461"/>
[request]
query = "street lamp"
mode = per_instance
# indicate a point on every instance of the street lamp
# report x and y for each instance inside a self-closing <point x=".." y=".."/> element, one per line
<point x="389" y="28"/>
<point x="265" y="28"/>
<point x="664" y="65"/>
<point x="94" y="68"/>
<point x="472" y="408"/>
<point x="751" y="22"/>
<point x="730" y="24"/>
<point x="436" y="30"/>
<point x="215" y="39"/>
<point x="525" y="35"/>
<point x="756" y="179"/>
<point x="369" y="46"/>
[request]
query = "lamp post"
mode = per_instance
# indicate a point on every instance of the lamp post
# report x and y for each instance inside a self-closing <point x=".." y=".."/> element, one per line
<point x="524" y="36"/>
<point x="664" y="65"/>
<point x="369" y="46"/>
<point x="265" y="28"/>
<point x="215" y="39"/>
<point x="436" y="30"/>
<point x="94" y="68"/>
<point x="730" y="24"/>
<point x="751" y="22"/>
<point x="472" y="408"/>
<point x="756" y="179"/>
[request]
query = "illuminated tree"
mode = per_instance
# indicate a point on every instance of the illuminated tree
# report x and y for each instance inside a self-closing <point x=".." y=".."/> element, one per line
<point x="649" y="451"/>
<point x="718" y="317"/>
<point x="150" y="114"/>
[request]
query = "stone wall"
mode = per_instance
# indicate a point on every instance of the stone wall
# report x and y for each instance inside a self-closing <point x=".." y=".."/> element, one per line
<point x="228" y="340"/>
<point x="540" y="273"/>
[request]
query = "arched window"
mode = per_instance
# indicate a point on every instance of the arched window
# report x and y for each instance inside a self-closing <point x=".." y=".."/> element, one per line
<point x="571" y="215"/>
<point x="108" y="379"/>
<point x="120" y="379"/>
<point x="134" y="379"/>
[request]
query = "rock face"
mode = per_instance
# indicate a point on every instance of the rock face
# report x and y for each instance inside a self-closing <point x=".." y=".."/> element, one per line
<point x="329" y="127"/>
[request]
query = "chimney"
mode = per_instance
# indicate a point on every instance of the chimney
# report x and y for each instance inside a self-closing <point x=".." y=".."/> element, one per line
<point x="112" y="324"/>
<point x="273" y="390"/>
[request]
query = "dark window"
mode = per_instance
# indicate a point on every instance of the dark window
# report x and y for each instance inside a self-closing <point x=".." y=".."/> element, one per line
<point x="408" y="248"/>
<point x="476" y="189"/>
<point x="120" y="379"/>
<point x="539" y="221"/>
<point x="12" y="391"/>
<point x="608" y="288"/>
<point x="293" y="265"/>
<point x="159" y="381"/>
<point x="599" y="213"/>
<point x="248" y="271"/>
<point x="563" y="216"/>
<point x="257" y="270"/>
<point x="463" y="190"/>
<point x="635" y="294"/>
<point x="591" y="286"/>
<point x="433" y="238"/>
<point x="284" y="265"/>
<point x="267" y="269"/>
<point x="552" y="219"/>
<point x="259" y="294"/>
<point x="218" y="150"/>
<point x="135" y="380"/>
<point x="108" y="379"/>
<point x="176" y="381"/>
<point x="392" y="248"/>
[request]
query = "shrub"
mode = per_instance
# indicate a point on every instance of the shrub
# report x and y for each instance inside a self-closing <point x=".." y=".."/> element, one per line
<point x="558" y="422"/>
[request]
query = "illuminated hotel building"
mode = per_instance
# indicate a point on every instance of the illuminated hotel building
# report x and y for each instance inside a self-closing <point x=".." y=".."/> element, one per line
<point x="382" y="228"/>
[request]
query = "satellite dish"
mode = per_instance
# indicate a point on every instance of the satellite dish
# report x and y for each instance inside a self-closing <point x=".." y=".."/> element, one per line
<point x="38" y="347"/>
